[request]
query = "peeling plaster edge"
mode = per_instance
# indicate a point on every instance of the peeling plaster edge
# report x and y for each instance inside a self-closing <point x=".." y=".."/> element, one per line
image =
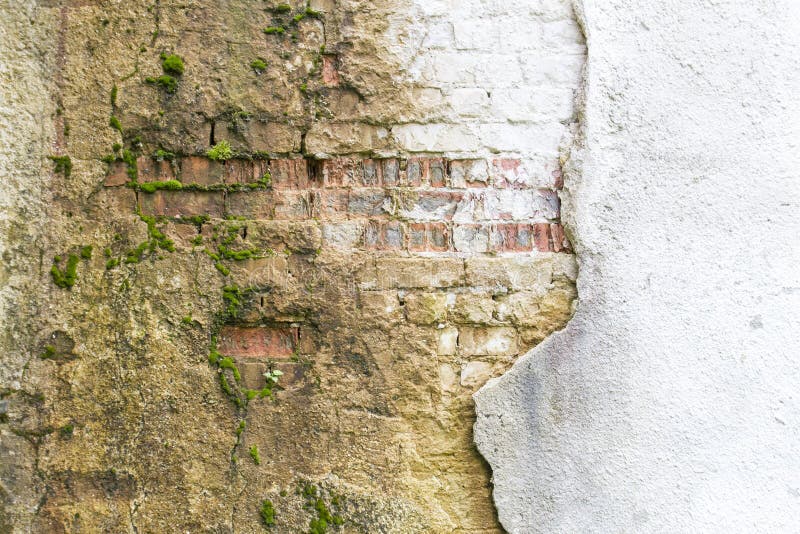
<point x="572" y="168"/>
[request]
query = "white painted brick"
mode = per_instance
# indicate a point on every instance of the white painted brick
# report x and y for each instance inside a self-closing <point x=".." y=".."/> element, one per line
<point x="439" y="35"/>
<point x="538" y="139"/>
<point x="432" y="8"/>
<point x="563" y="69"/>
<point x="436" y="137"/>
<point x="527" y="104"/>
<point x="563" y="35"/>
<point x="473" y="171"/>
<point x="510" y="204"/>
<point x="476" y="34"/>
<point x="499" y="341"/>
<point x="500" y="70"/>
<point x="544" y="10"/>
<point x="471" y="238"/>
<point x="453" y="68"/>
<point x="468" y="101"/>
<point x="475" y="374"/>
<point x="530" y="172"/>
<point x="447" y="377"/>
<point x="428" y="208"/>
<point x="471" y="208"/>
<point x="448" y="338"/>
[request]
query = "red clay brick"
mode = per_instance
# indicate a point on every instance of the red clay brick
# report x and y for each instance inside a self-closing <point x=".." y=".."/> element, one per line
<point x="427" y="171"/>
<point x="390" y="168"/>
<point x="384" y="235"/>
<point x="541" y="237"/>
<point x="372" y="173"/>
<point x="251" y="204"/>
<point x="437" y="237"/>
<point x="507" y="172"/>
<point x="117" y="175"/>
<point x="201" y="170"/>
<point x="292" y="205"/>
<point x="150" y="170"/>
<point x="330" y="70"/>
<point x="182" y="203"/>
<point x="436" y="172"/>
<point x="417" y="238"/>
<point x="511" y="237"/>
<point x="430" y="237"/>
<point x="329" y="203"/>
<point x="258" y="341"/>
<point x="289" y="173"/>
<point x="366" y="202"/>
<point x="380" y="172"/>
<point x="341" y="172"/>
<point x="560" y="241"/>
<point x="242" y="171"/>
<point x="558" y="179"/>
<point x="411" y="174"/>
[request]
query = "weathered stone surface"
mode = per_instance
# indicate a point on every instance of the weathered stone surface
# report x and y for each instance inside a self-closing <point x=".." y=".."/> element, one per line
<point x="501" y="341"/>
<point x="182" y="203"/>
<point x="132" y="398"/>
<point x="426" y="308"/>
<point x="418" y="272"/>
<point x="519" y="273"/>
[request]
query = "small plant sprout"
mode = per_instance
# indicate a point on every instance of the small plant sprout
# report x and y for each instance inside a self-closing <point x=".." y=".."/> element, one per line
<point x="258" y="65"/>
<point x="63" y="164"/>
<point x="254" y="455"/>
<point x="222" y="151"/>
<point x="172" y="64"/>
<point x="272" y="376"/>
<point x="267" y="513"/>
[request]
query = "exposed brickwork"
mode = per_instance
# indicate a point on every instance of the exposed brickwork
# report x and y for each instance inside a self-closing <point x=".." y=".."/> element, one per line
<point x="258" y="342"/>
<point x="409" y="258"/>
<point x="420" y="204"/>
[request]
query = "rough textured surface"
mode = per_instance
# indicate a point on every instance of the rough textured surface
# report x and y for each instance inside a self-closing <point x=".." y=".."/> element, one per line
<point x="669" y="403"/>
<point x="387" y="237"/>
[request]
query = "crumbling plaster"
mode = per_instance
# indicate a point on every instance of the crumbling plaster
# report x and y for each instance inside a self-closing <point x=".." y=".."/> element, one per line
<point x="669" y="403"/>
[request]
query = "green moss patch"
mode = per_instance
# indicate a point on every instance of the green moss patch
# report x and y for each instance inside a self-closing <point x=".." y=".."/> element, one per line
<point x="222" y="151"/>
<point x="172" y="64"/>
<point x="63" y="165"/>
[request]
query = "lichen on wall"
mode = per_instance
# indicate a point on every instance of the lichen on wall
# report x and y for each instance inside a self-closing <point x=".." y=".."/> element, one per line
<point x="279" y="249"/>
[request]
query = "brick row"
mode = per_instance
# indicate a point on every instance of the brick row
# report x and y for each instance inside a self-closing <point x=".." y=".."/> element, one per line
<point x="299" y="173"/>
<point x="474" y="238"/>
<point x="338" y="204"/>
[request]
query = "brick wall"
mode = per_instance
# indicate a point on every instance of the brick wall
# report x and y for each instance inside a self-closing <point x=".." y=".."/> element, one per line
<point x="406" y="247"/>
<point x="418" y="205"/>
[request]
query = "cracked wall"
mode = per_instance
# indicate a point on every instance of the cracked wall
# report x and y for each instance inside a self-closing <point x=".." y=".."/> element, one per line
<point x="384" y="237"/>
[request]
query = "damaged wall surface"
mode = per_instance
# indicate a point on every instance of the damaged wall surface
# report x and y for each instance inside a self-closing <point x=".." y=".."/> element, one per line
<point x="357" y="199"/>
<point x="669" y="403"/>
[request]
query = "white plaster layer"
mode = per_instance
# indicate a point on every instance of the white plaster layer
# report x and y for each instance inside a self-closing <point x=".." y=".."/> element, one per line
<point x="670" y="402"/>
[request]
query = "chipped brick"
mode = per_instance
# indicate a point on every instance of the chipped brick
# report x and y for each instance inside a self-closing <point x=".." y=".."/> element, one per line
<point x="182" y="203"/>
<point x="541" y="237"/>
<point x="289" y="173"/>
<point x="257" y="342"/>
<point x="150" y="170"/>
<point x="201" y="170"/>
